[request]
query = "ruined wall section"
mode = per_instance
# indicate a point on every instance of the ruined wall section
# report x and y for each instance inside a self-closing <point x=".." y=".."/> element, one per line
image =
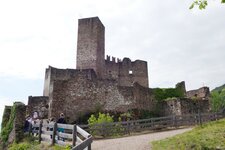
<point x="144" y="97"/>
<point x="35" y="103"/>
<point x="53" y="74"/>
<point x="202" y="93"/>
<point x="91" y="45"/>
<point x="127" y="72"/>
<point x="184" y="106"/>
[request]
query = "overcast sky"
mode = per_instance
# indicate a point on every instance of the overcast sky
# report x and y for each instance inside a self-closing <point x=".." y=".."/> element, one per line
<point x="179" y="44"/>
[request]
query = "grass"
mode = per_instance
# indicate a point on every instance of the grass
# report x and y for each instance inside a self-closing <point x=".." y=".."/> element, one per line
<point x="29" y="143"/>
<point x="210" y="136"/>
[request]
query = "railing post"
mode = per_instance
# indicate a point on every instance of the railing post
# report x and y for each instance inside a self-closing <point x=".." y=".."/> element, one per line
<point x="128" y="127"/>
<point x="74" y="135"/>
<point x="152" y="122"/>
<point x="39" y="132"/>
<point x="174" y="121"/>
<point x="199" y="117"/>
<point x="54" y="133"/>
<point x="89" y="146"/>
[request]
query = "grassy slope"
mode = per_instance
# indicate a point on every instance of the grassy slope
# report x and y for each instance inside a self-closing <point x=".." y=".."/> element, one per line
<point x="218" y="88"/>
<point x="209" y="136"/>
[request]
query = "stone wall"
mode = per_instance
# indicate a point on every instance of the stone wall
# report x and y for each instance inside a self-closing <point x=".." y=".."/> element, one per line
<point x="13" y="132"/>
<point x="202" y="93"/>
<point x="37" y="103"/>
<point x="184" y="106"/>
<point x="6" y="116"/>
<point x="78" y="96"/>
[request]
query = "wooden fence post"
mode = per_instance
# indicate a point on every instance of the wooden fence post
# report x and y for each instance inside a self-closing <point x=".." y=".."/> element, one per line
<point x="39" y="132"/>
<point x="199" y="117"/>
<point x="174" y="121"/>
<point x="152" y="123"/>
<point x="89" y="146"/>
<point x="54" y="133"/>
<point x="128" y="128"/>
<point x="74" y="135"/>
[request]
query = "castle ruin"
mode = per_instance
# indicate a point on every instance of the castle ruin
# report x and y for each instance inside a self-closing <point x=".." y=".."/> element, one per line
<point x="108" y="84"/>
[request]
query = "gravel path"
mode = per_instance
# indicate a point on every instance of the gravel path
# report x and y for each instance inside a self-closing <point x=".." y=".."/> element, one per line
<point x="139" y="142"/>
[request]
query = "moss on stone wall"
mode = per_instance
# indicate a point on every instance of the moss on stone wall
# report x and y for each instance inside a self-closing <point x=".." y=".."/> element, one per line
<point x="9" y="125"/>
<point x="6" y="116"/>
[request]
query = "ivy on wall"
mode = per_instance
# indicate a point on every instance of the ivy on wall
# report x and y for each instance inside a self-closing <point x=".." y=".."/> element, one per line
<point x="9" y="125"/>
<point x="163" y="94"/>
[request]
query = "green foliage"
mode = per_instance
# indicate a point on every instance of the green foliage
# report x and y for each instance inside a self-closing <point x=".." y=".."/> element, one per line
<point x="218" y="89"/>
<point x="210" y="136"/>
<point x="201" y="4"/>
<point x="162" y="94"/>
<point x="102" y="118"/>
<point x="125" y="116"/>
<point x="100" y="125"/>
<point x="20" y="146"/>
<point x="5" y="117"/>
<point x="9" y="126"/>
<point x="218" y="100"/>
<point x="35" y="146"/>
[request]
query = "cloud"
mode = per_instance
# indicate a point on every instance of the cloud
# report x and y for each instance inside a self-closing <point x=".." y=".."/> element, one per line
<point x="178" y="43"/>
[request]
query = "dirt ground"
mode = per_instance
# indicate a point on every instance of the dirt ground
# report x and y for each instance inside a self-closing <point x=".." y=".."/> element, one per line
<point x="138" y="142"/>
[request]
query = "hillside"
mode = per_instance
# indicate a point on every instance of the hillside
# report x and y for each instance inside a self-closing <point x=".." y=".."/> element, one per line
<point x="217" y="89"/>
<point x="209" y="136"/>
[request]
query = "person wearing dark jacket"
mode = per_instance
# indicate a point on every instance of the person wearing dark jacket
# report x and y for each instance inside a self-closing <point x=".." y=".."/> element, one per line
<point x="61" y="120"/>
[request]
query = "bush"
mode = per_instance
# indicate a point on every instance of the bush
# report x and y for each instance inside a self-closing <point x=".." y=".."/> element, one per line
<point x="100" y="125"/>
<point x="162" y="94"/>
<point x="102" y="118"/>
<point x="21" y="146"/>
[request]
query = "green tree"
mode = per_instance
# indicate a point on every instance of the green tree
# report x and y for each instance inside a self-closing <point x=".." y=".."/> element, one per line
<point x="218" y="100"/>
<point x="201" y="4"/>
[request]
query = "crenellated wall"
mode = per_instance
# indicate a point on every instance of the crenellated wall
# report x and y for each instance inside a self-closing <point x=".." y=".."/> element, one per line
<point x="127" y="72"/>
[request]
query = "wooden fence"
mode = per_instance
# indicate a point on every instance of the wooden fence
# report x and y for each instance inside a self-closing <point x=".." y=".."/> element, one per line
<point x="123" y="128"/>
<point x="62" y="134"/>
<point x="79" y="139"/>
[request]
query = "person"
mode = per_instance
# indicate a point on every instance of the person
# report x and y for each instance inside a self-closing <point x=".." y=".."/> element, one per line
<point x="62" y="121"/>
<point x="28" y="121"/>
<point x="51" y="123"/>
<point x="35" y="120"/>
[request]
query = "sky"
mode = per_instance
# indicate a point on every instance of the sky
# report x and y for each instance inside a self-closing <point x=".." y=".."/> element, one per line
<point x="179" y="44"/>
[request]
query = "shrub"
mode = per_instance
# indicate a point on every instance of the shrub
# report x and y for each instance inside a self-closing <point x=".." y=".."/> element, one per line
<point x="102" y="118"/>
<point x="162" y="94"/>
<point x="96" y="123"/>
<point x="21" y="146"/>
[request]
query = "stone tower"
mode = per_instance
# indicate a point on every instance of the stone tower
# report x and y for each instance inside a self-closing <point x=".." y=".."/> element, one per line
<point x="91" y="45"/>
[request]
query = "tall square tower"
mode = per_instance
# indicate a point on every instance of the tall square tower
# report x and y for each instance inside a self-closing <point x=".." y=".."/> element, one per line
<point x="91" y="45"/>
